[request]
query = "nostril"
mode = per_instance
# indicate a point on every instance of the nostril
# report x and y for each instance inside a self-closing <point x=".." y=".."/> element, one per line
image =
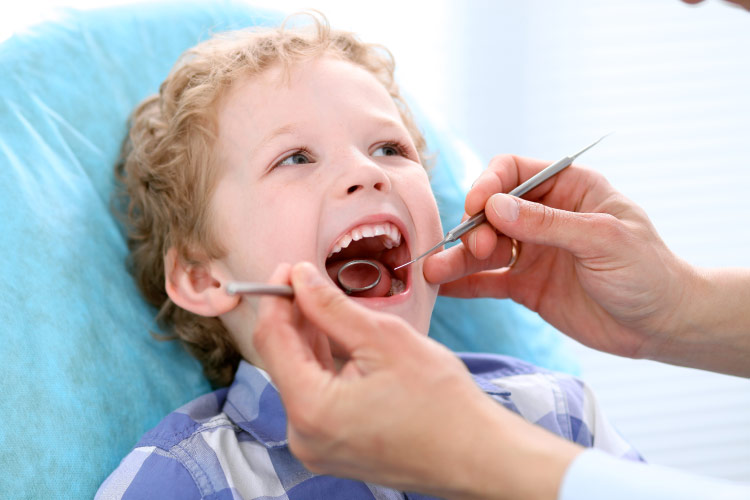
<point x="378" y="186"/>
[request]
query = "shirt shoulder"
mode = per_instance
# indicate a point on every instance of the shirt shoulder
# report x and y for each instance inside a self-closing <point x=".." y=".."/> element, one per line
<point x="149" y="472"/>
<point x="172" y="460"/>
<point x="203" y="412"/>
<point x="559" y="402"/>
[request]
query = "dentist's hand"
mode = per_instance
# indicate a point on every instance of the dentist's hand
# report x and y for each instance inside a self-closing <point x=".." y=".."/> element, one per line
<point x="591" y="263"/>
<point x="402" y="411"/>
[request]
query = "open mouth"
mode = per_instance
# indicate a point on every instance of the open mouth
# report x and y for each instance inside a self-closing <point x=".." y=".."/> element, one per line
<point x="382" y="245"/>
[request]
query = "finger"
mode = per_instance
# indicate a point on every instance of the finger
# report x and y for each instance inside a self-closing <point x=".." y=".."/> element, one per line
<point x="488" y="284"/>
<point x="285" y="353"/>
<point x="322" y="350"/>
<point x="481" y="241"/>
<point x="533" y="222"/>
<point x="271" y="305"/>
<point x="503" y="174"/>
<point x="342" y="319"/>
<point x="457" y="262"/>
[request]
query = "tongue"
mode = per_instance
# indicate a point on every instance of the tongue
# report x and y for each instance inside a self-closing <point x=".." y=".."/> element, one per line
<point x="360" y="276"/>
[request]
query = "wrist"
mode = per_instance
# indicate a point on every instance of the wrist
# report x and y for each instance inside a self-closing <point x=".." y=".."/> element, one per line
<point x="514" y="459"/>
<point x="711" y="329"/>
<point x="670" y="313"/>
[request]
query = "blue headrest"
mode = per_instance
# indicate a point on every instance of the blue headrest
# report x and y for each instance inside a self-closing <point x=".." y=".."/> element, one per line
<point x="82" y="375"/>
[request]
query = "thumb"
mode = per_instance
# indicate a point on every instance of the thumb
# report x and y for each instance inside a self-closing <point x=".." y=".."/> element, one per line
<point x="536" y="223"/>
<point x="350" y="324"/>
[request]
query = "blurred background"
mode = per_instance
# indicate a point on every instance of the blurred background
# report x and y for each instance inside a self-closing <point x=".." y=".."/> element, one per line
<point x="543" y="78"/>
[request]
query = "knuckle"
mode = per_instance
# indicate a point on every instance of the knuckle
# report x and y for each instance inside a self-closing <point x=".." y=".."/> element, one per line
<point x="474" y="288"/>
<point x="390" y="323"/>
<point x="544" y="217"/>
<point x="305" y="454"/>
<point x="387" y="329"/>
<point x="609" y="230"/>
<point x="498" y="167"/>
<point x="315" y="465"/>
<point x="596" y="177"/>
<point x="330" y="299"/>
<point x="379" y="325"/>
<point x="305" y="422"/>
<point x="501" y="161"/>
<point x="607" y="224"/>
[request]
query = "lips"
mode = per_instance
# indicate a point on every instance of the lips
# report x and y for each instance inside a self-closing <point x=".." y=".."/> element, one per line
<point x="380" y="242"/>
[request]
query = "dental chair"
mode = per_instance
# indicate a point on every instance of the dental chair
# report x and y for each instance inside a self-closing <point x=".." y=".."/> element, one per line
<point x="82" y="375"/>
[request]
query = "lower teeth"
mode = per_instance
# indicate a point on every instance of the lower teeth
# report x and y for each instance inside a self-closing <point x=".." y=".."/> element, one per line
<point x="397" y="286"/>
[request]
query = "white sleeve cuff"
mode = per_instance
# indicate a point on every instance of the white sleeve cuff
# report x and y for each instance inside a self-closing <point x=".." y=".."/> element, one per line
<point x="596" y="475"/>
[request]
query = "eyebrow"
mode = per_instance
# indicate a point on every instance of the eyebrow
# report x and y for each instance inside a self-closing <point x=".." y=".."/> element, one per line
<point x="388" y="122"/>
<point x="289" y="128"/>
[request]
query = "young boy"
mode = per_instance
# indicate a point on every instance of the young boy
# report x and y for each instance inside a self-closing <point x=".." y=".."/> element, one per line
<point x="276" y="146"/>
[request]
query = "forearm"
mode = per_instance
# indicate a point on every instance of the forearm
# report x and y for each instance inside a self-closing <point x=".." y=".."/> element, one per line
<point x="714" y="323"/>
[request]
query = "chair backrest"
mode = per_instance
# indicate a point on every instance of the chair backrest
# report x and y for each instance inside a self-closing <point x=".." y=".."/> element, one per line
<point x="82" y="377"/>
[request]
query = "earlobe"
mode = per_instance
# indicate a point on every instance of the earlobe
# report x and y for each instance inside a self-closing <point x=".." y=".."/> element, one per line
<point x="196" y="287"/>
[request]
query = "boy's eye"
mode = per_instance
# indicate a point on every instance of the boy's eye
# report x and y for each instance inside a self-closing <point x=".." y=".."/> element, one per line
<point x="387" y="150"/>
<point x="298" y="158"/>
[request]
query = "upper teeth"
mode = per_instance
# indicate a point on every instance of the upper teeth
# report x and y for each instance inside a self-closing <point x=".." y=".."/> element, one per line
<point x="392" y="236"/>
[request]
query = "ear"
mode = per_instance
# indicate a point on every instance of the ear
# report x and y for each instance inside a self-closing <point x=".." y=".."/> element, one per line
<point x="197" y="288"/>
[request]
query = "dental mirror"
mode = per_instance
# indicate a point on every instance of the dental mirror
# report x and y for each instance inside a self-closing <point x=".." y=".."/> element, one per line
<point x="356" y="272"/>
<point x="350" y="277"/>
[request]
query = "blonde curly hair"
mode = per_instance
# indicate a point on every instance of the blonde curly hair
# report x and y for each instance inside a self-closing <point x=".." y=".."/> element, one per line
<point x="167" y="173"/>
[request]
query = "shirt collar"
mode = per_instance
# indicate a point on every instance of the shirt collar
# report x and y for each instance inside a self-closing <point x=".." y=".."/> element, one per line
<point x="254" y="405"/>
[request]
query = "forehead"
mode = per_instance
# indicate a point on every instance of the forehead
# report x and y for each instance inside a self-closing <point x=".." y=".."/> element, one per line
<point x="302" y="91"/>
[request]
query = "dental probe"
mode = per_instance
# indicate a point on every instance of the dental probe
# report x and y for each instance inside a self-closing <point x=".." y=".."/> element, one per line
<point x="519" y="191"/>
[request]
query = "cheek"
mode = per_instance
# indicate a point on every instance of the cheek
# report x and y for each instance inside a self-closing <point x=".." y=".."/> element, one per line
<point x="260" y="232"/>
<point x="289" y="225"/>
<point x="289" y="238"/>
<point x="424" y="210"/>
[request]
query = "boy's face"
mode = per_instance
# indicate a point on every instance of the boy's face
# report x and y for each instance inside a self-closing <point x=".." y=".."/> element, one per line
<point x="309" y="162"/>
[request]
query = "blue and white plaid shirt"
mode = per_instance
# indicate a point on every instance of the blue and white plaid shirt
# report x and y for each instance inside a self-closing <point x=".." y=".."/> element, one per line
<point x="231" y="444"/>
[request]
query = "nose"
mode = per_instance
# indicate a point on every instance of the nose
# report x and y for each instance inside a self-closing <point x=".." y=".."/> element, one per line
<point x="363" y="175"/>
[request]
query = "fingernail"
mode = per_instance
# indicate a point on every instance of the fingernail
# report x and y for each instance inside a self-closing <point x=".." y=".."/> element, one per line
<point x="506" y="207"/>
<point x="310" y="276"/>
